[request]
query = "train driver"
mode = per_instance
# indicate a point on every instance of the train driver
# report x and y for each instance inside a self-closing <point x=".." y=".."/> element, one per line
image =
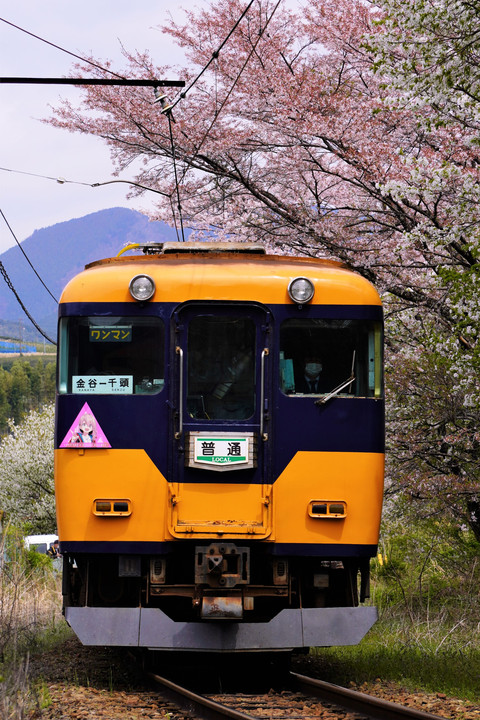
<point x="309" y="382"/>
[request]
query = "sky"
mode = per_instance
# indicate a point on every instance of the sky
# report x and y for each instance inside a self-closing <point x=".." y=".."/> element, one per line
<point x="29" y="146"/>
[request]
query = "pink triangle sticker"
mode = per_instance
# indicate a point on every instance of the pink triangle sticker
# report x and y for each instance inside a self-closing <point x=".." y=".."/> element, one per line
<point x="85" y="432"/>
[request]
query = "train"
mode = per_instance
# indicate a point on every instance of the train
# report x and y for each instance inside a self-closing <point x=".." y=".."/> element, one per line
<point x="219" y="449"/>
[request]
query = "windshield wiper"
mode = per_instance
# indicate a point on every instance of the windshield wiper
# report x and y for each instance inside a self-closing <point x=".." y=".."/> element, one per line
<point x="339" y="388"/>
<point x="323" y="400"/>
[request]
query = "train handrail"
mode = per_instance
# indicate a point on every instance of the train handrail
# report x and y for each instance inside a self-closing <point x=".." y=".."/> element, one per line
<point x="179" y="432"/>
<point x="263" y="436"/>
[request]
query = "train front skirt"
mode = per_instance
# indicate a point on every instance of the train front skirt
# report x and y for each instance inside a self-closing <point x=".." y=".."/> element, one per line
<point x="151" y="628"/>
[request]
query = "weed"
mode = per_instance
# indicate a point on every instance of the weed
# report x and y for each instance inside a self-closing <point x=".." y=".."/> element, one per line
<point x="30" y="619"/>
<point x="420" y="653"/>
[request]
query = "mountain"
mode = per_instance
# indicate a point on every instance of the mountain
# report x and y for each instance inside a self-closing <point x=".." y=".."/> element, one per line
<point x="59" y="252"/>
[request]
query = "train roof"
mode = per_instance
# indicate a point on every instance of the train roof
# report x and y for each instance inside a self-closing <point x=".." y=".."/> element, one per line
<point x="218" y="271"/>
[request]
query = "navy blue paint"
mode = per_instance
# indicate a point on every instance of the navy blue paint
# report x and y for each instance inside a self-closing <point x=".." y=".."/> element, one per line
<point x="125" y="548"/>
<point x="296" y="423"/>
<point x="323" y="550"/>
<point x="163" y="310"/>
<point x="162" y="548"/>
<point x="128" y="421"/>
<point x="280" y="312"/>
<point x="342" y="425"/>
<point x="327" y="312"/>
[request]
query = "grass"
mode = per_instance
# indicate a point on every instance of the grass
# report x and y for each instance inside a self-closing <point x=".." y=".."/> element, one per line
<point x="427" y="637"/>
<point x="429" y="654"/>
<point x="30" y="621"/>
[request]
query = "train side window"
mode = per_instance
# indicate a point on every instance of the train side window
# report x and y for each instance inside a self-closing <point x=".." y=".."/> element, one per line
<point x="318" y="356"/>
<point x="221" y="368"/>
<point x="111" y="355"/>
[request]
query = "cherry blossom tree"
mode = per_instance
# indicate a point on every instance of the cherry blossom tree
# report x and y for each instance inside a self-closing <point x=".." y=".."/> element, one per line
<point x="271" y="141"/>
<point x="343" y="129"/>
<point x="287" y="138"/>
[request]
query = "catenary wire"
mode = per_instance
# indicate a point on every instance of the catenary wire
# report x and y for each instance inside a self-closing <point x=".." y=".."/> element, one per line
<point x="215" y="54"/>
<point x="64" y="181"/>
<point x="26" y="256"/>
<point x="179" y="206"/>
<point x="44" y="177"/>
<point x="224" y="101"/>
<point x="123" y="82"/>
<point x="35" y="324"/>
<point x="58" y="47"/>
<point x="99" y="67"/>
<point x="168" y="110"/>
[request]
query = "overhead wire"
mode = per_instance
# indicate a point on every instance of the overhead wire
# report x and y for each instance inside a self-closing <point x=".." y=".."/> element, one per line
<point x="59" y="180"/>
<point x="2" y="268"/>
<point x="215" y="55"/>
<point x="44" y="177"/>
<point x="34" y="323"/>
<point x="26" y="256"/>
<point x="167" y="108"/>
<point x="59" y="47"/>
<point x="12" y="288"/>
<point x="64" y="181"/>
<point x="111" y="72"/>
<point x="224" y="101"/>
<point x="177" y="187"/>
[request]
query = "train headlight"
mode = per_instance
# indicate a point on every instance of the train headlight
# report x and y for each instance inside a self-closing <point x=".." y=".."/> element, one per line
<point x="142" y="287"/>
<point x="301" y="290"/>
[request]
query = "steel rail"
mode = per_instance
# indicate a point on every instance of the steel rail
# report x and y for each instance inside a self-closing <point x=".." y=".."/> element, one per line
<point x="360" y="702"/>
<point x="197" y="704"/>
<point x="368" y="705"/>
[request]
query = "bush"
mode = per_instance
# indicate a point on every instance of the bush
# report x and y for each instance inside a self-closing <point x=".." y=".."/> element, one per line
<point x="30" y="615"/>
<point x="427" y="565"/>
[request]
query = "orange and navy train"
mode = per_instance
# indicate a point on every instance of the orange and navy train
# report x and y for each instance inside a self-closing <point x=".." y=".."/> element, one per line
<point x="219" y="449"/>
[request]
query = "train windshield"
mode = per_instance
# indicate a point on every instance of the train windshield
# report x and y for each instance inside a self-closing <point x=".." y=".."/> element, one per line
<point x="111" y="355"/>
<point x="221" y="367"/>
<point x="338" y="357"/>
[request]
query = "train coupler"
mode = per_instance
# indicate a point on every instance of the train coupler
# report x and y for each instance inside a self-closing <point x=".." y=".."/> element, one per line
<point x="222" y="565"/>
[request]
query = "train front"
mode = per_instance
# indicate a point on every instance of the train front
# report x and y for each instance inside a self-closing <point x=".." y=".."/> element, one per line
<point x="219" y="451"/>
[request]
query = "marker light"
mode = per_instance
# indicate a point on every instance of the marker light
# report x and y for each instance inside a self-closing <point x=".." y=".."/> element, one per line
<point x="301" y="290"/>
<point x="142" y="287"/>
<point x="112" y="507"/>
<point x="328" y="509"/>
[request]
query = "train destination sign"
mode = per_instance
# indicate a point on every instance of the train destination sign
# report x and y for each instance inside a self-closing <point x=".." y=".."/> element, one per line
<point x="103" y="384"/>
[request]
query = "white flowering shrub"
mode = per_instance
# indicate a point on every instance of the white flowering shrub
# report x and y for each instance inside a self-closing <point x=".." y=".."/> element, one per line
<point x="26" y="472"/>
<point x="427" y="56"/>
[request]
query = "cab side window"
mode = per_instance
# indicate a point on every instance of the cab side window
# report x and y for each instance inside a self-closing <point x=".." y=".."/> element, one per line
<point x="114" y="355"/>
<point x="318" y="356"/>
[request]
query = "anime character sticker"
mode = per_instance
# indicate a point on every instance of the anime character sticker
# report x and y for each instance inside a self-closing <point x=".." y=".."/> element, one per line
<point x="85" y="432"/>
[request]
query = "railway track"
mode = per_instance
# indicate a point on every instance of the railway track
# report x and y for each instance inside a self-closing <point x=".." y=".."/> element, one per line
<point x="306" y="697"/>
